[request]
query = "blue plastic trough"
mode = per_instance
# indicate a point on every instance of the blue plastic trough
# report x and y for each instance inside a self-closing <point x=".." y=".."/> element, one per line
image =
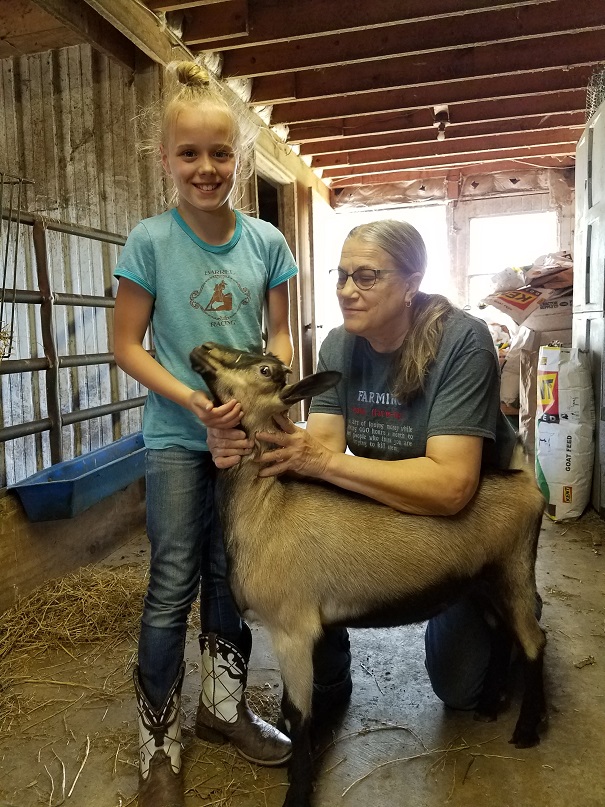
<point x="70" y="487"/>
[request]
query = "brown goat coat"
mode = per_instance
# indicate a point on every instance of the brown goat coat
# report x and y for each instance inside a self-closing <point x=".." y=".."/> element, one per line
<point x="305" y="554"/>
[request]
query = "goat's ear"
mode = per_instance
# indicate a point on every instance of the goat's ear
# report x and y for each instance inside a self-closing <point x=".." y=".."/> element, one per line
<point x="309" y="386"/>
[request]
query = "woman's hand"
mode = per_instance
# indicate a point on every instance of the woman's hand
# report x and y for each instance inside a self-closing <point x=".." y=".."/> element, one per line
<point x="227" y="446"/>
<point x="297" y="451"/>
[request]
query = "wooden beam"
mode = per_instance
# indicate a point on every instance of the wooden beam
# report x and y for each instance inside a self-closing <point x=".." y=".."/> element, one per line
<point x="448" y="147"/>
<point x="271" y="21"/>
<point x="507" y="24"/>
<point x="453" y="160"/>
<point x="568" y="102"/>
<point x="448" y="92"/>
<point x="442" y="173"/>
<point x="223" y="21"/>
<point x="140" y="26"/>
<point x="178" y="5"/>
<point x="445" y="66"/>
<point x="80" y="18"/>
<point x="454" y="132"/>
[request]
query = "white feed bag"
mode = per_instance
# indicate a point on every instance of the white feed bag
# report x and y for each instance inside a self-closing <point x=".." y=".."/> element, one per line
<point x="565" y="421"/>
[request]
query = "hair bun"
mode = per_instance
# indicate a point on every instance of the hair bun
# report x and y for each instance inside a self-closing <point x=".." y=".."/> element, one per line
<point x="191" y="74"/>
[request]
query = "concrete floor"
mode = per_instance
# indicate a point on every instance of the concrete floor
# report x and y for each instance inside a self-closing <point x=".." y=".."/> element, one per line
<point x="396" y="745"/>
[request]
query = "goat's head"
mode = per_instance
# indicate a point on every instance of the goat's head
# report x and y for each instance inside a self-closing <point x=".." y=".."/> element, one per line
<point x="257" y="381"/>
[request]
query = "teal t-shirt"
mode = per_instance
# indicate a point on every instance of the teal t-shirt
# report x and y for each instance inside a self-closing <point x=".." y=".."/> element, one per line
<point x="201" y="293"/>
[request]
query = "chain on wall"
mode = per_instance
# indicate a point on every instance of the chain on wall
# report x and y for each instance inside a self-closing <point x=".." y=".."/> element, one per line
<point x="11" y="192"/>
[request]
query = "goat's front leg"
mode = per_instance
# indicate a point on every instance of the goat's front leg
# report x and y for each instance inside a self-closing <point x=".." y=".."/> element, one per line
<point x="294" y="652"/>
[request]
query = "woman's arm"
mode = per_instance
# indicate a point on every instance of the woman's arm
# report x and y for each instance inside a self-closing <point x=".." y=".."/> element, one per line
<point x="279" y="338"/>
<point x="440" y="483"/>
<point x="131" y="320"/>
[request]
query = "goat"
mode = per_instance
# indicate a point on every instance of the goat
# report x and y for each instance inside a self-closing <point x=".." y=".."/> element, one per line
<point x="303" y="555"/>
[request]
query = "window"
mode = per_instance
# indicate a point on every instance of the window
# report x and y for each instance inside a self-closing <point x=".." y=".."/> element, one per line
<point x="497" y="242"/>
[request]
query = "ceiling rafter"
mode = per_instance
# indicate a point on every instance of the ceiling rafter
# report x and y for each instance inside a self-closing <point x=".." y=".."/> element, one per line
<point x="451" y="92"/>
<point x="453" y="172"/>
<point x="448" y="148"/>
<point x="570" y="103"/>
<point x="271" y="21"/>
<point x="558" y="52"/>
<point x="140" y="26"/>
<point x="533" y="124"/>
<point x="451" y="161"/>
<point x="485" y="27"/>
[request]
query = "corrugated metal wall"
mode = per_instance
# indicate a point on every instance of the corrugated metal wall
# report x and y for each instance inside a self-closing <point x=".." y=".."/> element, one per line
<point x="68" y="125"/>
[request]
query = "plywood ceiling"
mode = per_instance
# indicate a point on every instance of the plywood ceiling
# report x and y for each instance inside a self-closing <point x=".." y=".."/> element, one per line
<point x="360" y="87"/>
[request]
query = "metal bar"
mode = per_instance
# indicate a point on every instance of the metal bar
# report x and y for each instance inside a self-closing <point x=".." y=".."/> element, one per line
<point x="68" y="229"/>
<point x="86" y="361"/>
<point x="100" y="411"/>
<point x="49" y="343"/>
<point x="23" y="366"/>
<point x="15" y="264"/>
<point x="60" y="298"/>
<point x="4" y="289"/>
<point x="36" y="426"/>
<point x="23" y="429"/>
<point x="30" y="365"/>
<point x="26" y="296"/>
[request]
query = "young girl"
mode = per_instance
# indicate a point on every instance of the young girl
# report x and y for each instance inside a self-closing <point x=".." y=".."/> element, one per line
<point x="199" y="272"/>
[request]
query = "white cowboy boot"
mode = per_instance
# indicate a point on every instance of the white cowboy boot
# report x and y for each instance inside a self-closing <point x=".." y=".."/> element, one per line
<point x="160" y="776"/>
<point x="223" y="713"/>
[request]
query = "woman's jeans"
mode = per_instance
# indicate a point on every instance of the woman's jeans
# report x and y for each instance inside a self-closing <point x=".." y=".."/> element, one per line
<point x="458" y="647"/>
<point x="186" y="547"/>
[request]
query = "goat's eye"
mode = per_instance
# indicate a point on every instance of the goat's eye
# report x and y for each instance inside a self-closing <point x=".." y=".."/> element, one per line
<point x="265" y="370"/>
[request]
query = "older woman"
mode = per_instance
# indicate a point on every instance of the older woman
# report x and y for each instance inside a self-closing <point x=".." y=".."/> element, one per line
<point x="418" y="407"/>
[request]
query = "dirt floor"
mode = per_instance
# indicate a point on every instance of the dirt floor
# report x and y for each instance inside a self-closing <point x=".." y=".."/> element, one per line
<point x="68" y="725"/>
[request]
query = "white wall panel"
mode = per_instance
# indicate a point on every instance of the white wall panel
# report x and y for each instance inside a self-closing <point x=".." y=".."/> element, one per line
<point x="69" y="126"/>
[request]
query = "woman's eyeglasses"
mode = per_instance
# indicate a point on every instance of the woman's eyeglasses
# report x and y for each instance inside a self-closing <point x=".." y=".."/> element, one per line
<point x="364" y="279"/>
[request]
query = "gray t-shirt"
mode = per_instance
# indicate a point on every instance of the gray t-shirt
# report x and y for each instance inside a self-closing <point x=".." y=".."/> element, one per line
<point x="461" y="395"/>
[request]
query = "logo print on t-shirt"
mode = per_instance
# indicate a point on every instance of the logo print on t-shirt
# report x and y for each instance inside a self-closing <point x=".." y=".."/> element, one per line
<point x="221" y="298"/>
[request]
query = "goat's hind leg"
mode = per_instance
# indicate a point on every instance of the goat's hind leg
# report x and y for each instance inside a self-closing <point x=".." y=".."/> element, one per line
<point x="295" y="655"/>
<point x="533" y="706"/>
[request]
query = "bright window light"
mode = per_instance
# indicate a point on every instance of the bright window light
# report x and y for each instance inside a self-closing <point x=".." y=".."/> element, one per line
<point x="515" y="240"/>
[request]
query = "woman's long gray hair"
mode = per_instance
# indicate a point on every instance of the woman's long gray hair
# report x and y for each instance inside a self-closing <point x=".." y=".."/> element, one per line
<point x="429" y="311"/>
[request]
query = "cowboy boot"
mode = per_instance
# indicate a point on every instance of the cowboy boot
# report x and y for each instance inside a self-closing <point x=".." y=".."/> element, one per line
<point x="160" y="776"/>
<point x="223" y="713"/>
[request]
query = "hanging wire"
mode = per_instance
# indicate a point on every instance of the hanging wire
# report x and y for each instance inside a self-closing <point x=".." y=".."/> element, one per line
<point x="9" y="247"/>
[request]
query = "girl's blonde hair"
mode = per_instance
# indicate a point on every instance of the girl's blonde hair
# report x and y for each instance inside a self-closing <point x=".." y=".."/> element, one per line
<point x="189" y="83"/>
<point x="429" y="311"/>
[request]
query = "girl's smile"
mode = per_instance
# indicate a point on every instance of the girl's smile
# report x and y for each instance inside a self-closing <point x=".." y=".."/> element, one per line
<point x="199" y="156"/>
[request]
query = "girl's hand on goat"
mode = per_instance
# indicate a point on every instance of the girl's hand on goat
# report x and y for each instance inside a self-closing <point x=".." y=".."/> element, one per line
<point x="297" y="451"/>
<point x="226" y="416"/>
<point x="227" y="446"/>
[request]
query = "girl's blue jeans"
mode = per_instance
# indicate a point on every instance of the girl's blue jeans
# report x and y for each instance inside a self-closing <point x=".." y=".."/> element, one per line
<point x="186" y="550"/>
